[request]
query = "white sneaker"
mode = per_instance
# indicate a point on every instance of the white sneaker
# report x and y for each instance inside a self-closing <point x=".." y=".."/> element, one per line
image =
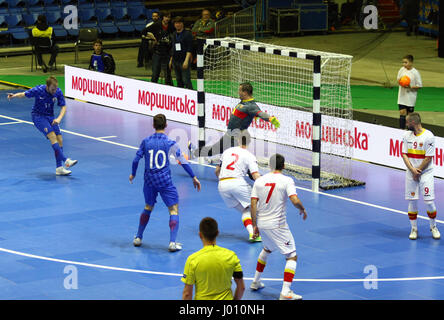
<point x="70" y="163"/>
<point x="413" y="234"/>
<point x="435" y="233"/>
<point x="60" y="171"/>
<point x="137" y="242"/>
<point x="290" y="296"/>
<point x="256" y="285"/>
<point x="174" y="246"/>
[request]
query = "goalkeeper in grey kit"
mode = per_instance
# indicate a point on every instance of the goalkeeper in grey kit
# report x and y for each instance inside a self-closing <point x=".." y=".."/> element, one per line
<point x="240" y="119"/>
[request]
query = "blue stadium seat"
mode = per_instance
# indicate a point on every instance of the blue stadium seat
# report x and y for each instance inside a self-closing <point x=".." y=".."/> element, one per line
<point x="125" y="26"/>
<point x="104" y="14"/>
<point x="4" y="11"/>
<point x="59" y="31"/>
<point x="102" y="4"/>
<point x="117" y="4"/>
<point x="39" y="10"/>
<point x="53" y="7"/>
<point x="87" y="15"/>
<point x="3" y="23"/>
<point x="120" y="13"/>
<point x="108" y="27"/>
<point x="14" y="20"/>
<point x="48" y="2"/>
<point x="86" y="5"/>
<point x="135" y="13"/>
<point x="19" y="33"/>
<point x="89" y="24"/>
<point x="54" y="17"/>
<point x="30" y="19"/>
<point x="139" y="25"/>
<point x="15" y="3"/>
<point x="67" y="2"/>
<point x="31" y="3"/>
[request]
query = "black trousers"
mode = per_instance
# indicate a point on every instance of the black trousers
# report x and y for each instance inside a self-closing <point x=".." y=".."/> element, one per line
<point x="54" y="50"/>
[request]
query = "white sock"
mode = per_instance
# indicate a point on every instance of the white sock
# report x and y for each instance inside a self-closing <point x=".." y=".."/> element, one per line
<point x="261" y="262"/>
<point x="413" y="212"/>
<point x="290" y="269"/>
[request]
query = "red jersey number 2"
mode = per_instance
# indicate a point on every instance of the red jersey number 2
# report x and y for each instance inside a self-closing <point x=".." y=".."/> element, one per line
<point x="230" y="166"/>
<point x="271" y="185"/>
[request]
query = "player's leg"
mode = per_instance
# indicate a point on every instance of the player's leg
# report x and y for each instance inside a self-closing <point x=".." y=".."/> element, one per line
<point x="427" y="185"/>
<point x="171" y="199"/>
<point x="246" y="218"/>
<point x="290" y="269"/>
<point x="150" y="195"/>
<point x="285" y="242"/>
<point x="69" y="163"/>
<point x="402" y="116"/>
<point x="269" y="245"/>
<point x="260" y="266"/>
<point x="412" y="196"/>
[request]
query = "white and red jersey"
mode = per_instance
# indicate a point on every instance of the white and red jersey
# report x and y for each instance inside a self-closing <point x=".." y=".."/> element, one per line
<point x="235" y="163"/>
<point x="272" y="191"/>
<point x="407" y="96"/>
<point x="417" y="147"/>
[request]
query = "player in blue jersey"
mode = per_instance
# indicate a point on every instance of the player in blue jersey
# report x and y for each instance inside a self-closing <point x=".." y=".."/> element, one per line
<point x="43" y="117"/>
<point x="157" y="149"/>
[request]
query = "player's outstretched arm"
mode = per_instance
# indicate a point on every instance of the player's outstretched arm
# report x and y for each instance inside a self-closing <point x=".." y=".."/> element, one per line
<point x="16" y="95"/>
<point x="298" y="204"/>
<point x="60" y="117"/>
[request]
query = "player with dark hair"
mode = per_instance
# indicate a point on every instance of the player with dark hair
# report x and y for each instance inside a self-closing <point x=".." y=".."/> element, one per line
<point x="240" y="119"/>
<point x="157" y="149"/>
<point x="407" y="94"/>
<point x="268" y="212"/>
<point x="418" y="150"/>
<point x="212" y="268"/>
<point x="43" y="117"/>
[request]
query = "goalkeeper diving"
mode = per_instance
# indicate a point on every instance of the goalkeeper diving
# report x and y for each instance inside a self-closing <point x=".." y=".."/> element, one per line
<point x="240" y="119"/>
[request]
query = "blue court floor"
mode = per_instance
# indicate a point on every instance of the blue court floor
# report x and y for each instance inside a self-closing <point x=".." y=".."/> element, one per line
<point x="71" y="237"/>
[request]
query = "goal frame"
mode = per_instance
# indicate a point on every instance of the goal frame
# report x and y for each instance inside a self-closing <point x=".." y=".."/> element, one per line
<point x="316" y="107"/>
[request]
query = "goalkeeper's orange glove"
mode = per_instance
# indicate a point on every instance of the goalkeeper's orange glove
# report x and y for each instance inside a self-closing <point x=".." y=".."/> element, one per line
<point x="274" y="121"/>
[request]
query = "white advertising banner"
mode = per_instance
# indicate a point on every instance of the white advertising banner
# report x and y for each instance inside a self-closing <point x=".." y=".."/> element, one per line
<point x="369" y="142"/>
<point x="132" y="95"/>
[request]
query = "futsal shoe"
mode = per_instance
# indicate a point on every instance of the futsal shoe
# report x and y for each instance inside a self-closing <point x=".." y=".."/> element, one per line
<point x="192" y="148"/>
<point x="413" y="234"/>
<point x="137" y="242"/>
<point x="256" y="285"/>
<point x="290" y="296"/>
<point x="435" y="233"/>
<point x="174" y="246"/>
<point x="70" y="163"/>
<point x="60" y="171"/>
<point x="251" y="239"/>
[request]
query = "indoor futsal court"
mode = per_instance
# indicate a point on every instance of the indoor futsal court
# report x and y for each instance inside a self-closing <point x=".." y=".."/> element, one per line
<point x="354" y="244"/>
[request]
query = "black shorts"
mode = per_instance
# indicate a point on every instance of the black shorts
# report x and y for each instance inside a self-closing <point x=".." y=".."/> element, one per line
<point x="409" y="109"/>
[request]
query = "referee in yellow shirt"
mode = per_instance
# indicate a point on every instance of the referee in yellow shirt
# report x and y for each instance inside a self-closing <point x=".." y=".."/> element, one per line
<point x="211" y="268"/>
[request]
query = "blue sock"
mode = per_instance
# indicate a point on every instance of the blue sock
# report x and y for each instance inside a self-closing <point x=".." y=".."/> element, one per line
<point x="174" y="227"/>
<point x="58" y="152"/>
<point x="144" y="218"/>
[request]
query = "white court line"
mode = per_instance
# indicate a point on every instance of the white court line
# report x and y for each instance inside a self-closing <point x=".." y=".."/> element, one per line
<point x="176" y="274"/>
<point x="180" y="275"/>
<point x="108" y="137"/>
<point x="13" y="122"/>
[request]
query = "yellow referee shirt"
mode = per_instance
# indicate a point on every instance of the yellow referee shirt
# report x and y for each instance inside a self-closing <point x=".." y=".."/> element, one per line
<point x="210" y="270"/>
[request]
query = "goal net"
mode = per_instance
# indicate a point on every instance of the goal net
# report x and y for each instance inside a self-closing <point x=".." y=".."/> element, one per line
<point x="285" y="84"/>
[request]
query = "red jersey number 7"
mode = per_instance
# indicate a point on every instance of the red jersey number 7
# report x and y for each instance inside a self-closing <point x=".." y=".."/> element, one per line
<point x="230" y="166"/>
<point x="271" y="185"/>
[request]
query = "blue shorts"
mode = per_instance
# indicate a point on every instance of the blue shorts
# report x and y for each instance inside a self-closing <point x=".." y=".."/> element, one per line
<point x="44" y="124"/>
<point x="168" y="194"/>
